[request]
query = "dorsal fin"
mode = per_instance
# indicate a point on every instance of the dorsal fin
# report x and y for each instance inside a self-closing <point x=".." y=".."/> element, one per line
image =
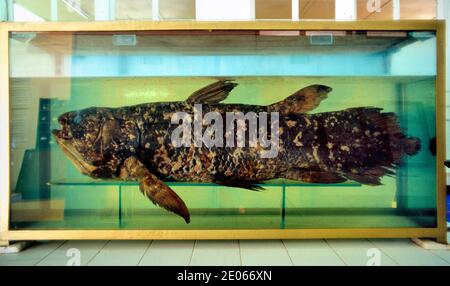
<point x="213" y="93"/>
<point x="302" y="101"/>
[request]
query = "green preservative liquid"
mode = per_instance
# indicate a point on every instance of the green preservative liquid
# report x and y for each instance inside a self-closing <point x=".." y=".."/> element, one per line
<point x="49" y="192"/>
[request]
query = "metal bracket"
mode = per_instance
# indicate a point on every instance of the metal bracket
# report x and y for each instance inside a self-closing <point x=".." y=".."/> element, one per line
<point x="15" y="247"/>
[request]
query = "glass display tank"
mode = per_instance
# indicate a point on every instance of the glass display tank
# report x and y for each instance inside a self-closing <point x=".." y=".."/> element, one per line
<point x="393" y="68"/>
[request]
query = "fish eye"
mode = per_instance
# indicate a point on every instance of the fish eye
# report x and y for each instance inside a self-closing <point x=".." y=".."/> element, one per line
<point x="62" y="119"/>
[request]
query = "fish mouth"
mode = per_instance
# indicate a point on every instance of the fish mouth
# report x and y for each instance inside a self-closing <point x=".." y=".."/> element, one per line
<point x="61" y="134"/>
<point x="65" y="142"/>
<point x="325" y="89"/>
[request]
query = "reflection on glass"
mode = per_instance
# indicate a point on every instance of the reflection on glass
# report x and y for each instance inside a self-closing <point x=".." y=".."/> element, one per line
<point x="273" y="9"/>
<point x="177" y="9"/>
<point x="73" y="10"/>
<point x="375" y="10"/>
<point x="418" y="9"/>
<point x="317" y="9"/>
<point x="20" y="14"/>
<point x="396" y="73"/>
<point x="27" y="10"/>
<point x="134" y="10"/>
<point x="65" y="10"/>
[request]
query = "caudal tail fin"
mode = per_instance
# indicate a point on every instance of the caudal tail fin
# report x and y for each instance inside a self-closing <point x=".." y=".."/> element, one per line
<point x="382" y="148"/>
<point x="399" y="143"/>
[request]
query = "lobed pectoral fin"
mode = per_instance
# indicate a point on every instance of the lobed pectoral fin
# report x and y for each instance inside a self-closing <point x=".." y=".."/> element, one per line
<point x="160" y="194"/>
<point x="153" y="188"/>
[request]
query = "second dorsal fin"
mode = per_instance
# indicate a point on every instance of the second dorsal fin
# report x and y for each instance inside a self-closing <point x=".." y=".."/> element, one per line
<point x="213" y="93"/>
<point x="302" y="101"/>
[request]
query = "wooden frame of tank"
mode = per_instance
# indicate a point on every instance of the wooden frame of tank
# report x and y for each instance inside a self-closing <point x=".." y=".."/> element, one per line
<point x="6" y="234"/>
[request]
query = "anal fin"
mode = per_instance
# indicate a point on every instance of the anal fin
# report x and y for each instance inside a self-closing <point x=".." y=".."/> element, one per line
<point x="153" y="188"/>
<point x="316" y="177"/>
<point x="371" y="177"/>
<point x="243" y="184"/>
<point x="365" y="179"/>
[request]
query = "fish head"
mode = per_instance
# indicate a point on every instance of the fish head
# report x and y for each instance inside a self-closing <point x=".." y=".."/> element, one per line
<point x="97" y="141"/>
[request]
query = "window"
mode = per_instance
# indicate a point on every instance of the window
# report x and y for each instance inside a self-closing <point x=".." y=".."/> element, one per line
<point x="75" y="10"/>
<point x="317" y="9"/>
<point x="273" y="9"/>
<point x="22" y="14"/>
<point x="418" y="9"/>
<point x="133" y="10"/>
<point x="375" y="10"/>
<point x="176" y="9"/>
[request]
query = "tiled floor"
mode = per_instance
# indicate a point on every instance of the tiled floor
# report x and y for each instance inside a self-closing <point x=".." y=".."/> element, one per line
<point x="273" y="252"/>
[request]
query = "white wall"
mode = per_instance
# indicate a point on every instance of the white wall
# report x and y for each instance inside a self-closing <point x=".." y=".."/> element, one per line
<point x="225" y="10"/>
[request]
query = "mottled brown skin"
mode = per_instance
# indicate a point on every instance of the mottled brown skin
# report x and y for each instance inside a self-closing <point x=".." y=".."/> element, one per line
<point x="134" y="143"/>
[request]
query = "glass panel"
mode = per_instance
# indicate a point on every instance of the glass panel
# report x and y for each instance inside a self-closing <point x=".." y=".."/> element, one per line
<point x="330" y="159"/>
<point x="418" y="9"/>
<point x="375" y="10"/>
<point x="242" y="210"/>
<point x="317" y="9"/>
<point x="66" y="10"/>
<point x="133" y="10"/>
<point x="273" y="9"/>
<point x="177" y="9"/>
<point x="3" y="12"/>
<point x="448" y="132"/>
